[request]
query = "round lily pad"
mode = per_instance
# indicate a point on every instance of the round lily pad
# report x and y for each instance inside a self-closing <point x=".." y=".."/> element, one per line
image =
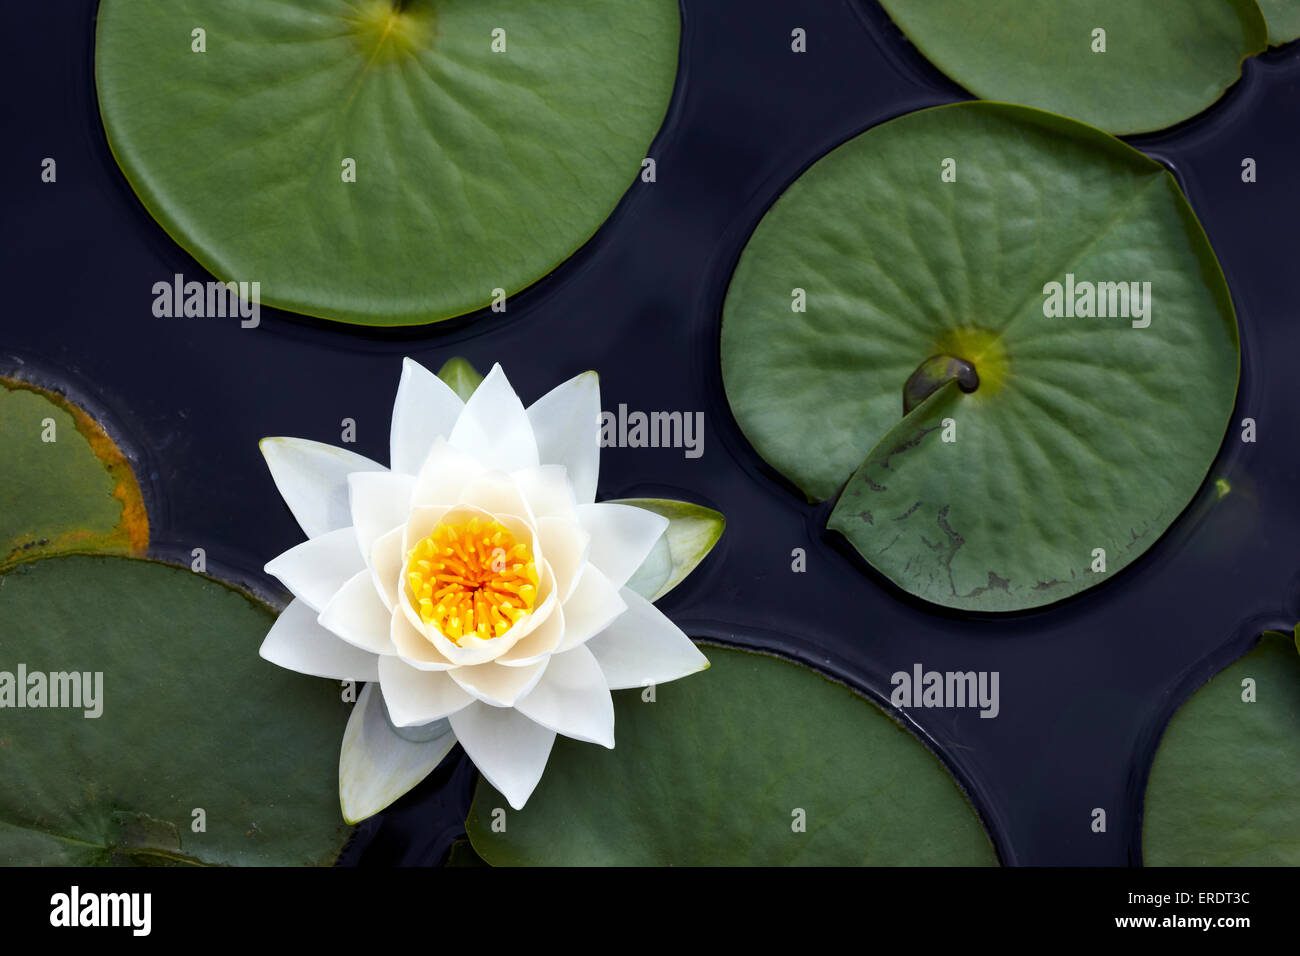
<point x="932" y="243"/>
<point x="1283" y="20"/>
<point x="1121" y="65"/>
<point x="64" y="484"/>
<point x="383" y="162"/>
<point x="755" y="761"/>
<point x="1225" y="786"/>
<point x="174" y="743"/>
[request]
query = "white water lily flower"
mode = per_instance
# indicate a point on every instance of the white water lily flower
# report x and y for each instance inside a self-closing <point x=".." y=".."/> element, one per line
<point x="477" y="581"/>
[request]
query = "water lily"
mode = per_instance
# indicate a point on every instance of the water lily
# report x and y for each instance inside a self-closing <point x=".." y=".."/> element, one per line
<point x="477" y="583"/>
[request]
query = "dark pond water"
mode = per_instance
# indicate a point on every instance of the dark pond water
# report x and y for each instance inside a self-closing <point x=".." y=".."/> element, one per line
<point x="1086" y="685"/>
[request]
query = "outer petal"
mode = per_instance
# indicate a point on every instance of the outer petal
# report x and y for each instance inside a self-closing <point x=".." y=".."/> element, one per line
<point x="497" y="685"/>
<point x="426" y="409"/>
<point x="314" y="570"/>
<point x="298" y="643"/>
<point x="357" y="615"/>
<point x="573" y="699"/>
<point x="417" y="697"/>
<point x="621" y="537"/>
<point x="643" y="647"/>
<point x="494" y="427"/>
<point x="378" y="502"/>
<point x="566" y="421"/>
<point x="508" y="748"/>
<point x="547" y="490"/>
<point x="376" y="765"/>
<point x="593" y="606"/>
<point x="312" y="477"/>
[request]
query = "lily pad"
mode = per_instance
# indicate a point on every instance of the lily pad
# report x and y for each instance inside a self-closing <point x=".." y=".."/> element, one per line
<point x="190" y="719"/>
<point x="756" y="761"/>
<point x="1154" y="63"/>
<point x="1283" y="18"/>
<point x="1225" y="785"/>
<point x="692" y="532"/>
<point x="1082" y="434"/>
<point x="64" y="484"/>
<point x="490" y="139"/>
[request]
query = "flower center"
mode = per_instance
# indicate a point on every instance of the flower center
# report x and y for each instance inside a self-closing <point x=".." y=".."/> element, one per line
<point x="472" y="578"/>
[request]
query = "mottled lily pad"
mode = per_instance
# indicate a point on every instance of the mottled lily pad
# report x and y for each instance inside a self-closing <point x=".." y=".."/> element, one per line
<point x="1154" y="63"/>
<point x="64" y="484"/>
<point x="189" y="719"/>
<point x="383" y="162"/>
<point x="1083" y="437"/>
<point x="756" y="761"/>
<point x="1225" y="786"/>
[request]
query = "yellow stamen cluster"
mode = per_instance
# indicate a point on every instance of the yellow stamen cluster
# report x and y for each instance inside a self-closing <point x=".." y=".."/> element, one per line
<point x="472" y="578"/>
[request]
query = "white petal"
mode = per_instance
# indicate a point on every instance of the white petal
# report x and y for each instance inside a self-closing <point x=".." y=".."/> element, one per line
<point x="593" y="606"/>
<point x="357" y="615"/>
<point x="566" y="421"/>
<point x="317" y="568"/>
<point x="621" y="537"/>
<point x="415" y="697"/>
<point x="298" y="643"/>
<point x="494" y="427"/>
<point x="413" y="646"/>
<point x="497" y="685"/>
<point x="539" y="644"/>
<point x="508" y="748"/>
<point x="426" y="409"/>
<point x="376" y="765"/>
<point x="386" y="559"/>
<point x="379" y="502"/>
<point x="312" y="477"/>
<point x="565" y="544"/>
<point x="444" y="475"/>
<point x="643" y="647"/>
<point x="496" y="493"/>
<point x="547" y="490"/>
<point x="573" y="699"/>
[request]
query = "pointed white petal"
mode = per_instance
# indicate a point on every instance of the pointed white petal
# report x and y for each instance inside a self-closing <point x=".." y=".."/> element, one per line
<point x="643" y="647"/>
<point x="509" y="749"/>
<point x="426" y="409"/>
<point x="379" y="502"/>
<point x="494" y="427"/>
<point x="547" y="490"/>
<point x="358" y="616"/>
<point x="497" y="685"/>
<point x="376" y="765"/>
<point x="566" y="421"/>
<point x="317" y="568"/>
<point x="445" y="474"/>
<point x="496" y="493"/>
<point x="621" y="537"/>
<point x="298" y="643"/>
<point x="566" y="544"/>
<point x="386" y="560"/>
<point x="593" y="606"/>
<point x="413" y="646"/>
<point x="415" y="697"/>
<point x="312" y="477"/>
<point x="573" y="699"/>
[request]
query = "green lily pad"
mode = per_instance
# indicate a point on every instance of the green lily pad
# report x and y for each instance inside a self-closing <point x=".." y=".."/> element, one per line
<point x="1155" y="63"/>
<point x="1083" y="434"/>
<point x="692" y="532"/>
<point x="64" y="484"/>
<point x="1283" y="18"/>
<point x="190" y="718"/>
<point x="756" y="761"/>
<point x="475" y="170"/>
<point x="1225" y="785"/>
